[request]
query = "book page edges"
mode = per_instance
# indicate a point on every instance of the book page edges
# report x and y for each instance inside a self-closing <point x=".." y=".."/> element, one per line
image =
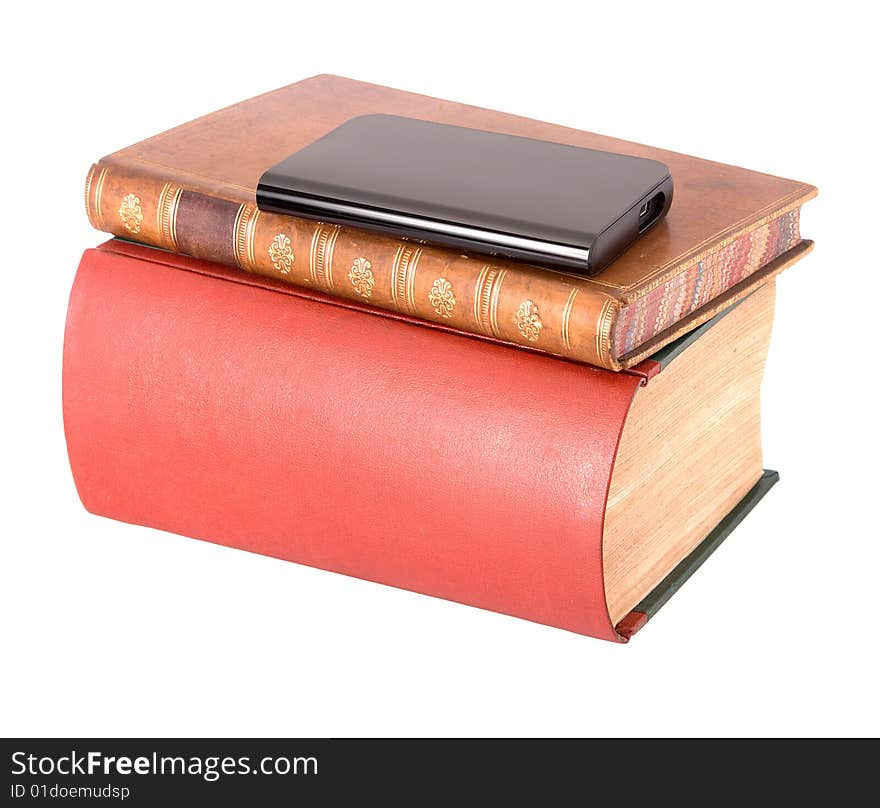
<point x="730" y="297"/>
<point x="636" y="619"/>
<point x="792" y="201"/>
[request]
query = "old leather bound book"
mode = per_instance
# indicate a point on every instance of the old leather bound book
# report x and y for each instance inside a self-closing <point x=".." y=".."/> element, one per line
<point x="235" y="409"/>
<point x="192" y="190"/>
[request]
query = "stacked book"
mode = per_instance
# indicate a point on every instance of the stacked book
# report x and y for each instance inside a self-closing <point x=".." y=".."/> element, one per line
<point x="561" y="448"/>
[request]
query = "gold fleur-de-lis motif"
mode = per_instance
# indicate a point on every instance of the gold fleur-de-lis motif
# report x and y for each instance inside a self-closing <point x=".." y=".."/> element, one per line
<point x="442" y="298"/>
<point x="281" y="254"/>
<point x="528" y="321"/>
<point x="131" y="213"/>
<point x="361" y="277"/>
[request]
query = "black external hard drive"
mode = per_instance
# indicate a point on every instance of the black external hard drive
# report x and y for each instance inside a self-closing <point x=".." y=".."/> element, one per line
<point x="546" y="203"/>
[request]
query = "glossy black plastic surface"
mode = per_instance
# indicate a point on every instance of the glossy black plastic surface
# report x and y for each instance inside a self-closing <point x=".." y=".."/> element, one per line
<point x="533" y="200"/>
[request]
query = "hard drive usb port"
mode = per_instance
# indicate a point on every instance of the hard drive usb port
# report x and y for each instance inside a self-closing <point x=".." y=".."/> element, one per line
<point x="650" y="210"/>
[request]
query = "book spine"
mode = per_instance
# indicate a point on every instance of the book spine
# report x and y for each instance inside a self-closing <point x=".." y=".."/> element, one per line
<point x="212" y="408"/>
<point x="505" y="301"/>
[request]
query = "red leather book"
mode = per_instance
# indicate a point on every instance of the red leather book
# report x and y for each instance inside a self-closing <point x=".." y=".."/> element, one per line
<point x="243" y="411"/>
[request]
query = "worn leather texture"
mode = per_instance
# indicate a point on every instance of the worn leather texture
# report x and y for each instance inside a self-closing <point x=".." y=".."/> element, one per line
<point x="226" y="411"/>
<point x="192" y="190"/>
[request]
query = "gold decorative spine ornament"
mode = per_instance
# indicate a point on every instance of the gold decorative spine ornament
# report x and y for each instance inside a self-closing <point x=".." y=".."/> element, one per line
<point x="281" y="254"/>
<point x="361" y="277"/>
<point x="442" y="298"/>
<point x="528" y="320"/>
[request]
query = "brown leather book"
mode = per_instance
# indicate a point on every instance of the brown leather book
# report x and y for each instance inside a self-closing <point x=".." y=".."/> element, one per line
<point x="192" y="190"/>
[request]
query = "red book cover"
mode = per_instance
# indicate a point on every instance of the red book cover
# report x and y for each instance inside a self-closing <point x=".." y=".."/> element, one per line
<point x="229" y="408"/>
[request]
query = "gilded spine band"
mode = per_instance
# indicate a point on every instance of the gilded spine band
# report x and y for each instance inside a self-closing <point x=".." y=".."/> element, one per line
<point x="566" y="319"/>
<point x="321" y="255"/>
<point x="604" y="325"/>
<point x="166" y="215"/>
<point x="403" y="275"/>
<point x="88" y="195"/>
<point x="243" y="237"/>
<point x="94" y="188"/>
<point x="486" y="297"/>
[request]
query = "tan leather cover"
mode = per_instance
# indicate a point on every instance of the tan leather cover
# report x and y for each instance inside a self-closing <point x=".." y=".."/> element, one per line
<point x="192" y="190"/>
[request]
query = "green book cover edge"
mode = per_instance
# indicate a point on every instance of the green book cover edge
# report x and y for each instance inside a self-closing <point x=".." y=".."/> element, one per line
<point x="651" y="603"/>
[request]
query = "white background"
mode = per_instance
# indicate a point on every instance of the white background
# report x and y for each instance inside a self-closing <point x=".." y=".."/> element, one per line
<point x="119" y="630"/>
